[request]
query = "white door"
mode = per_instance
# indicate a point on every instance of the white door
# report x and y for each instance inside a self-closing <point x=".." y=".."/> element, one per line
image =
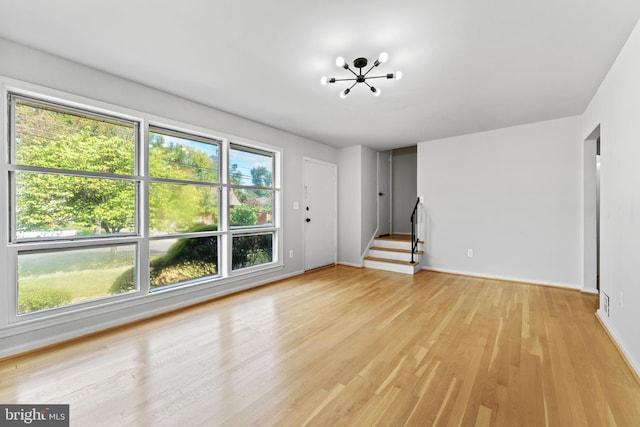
<point x="384" y="193"/>
<point x="320" y="214"/>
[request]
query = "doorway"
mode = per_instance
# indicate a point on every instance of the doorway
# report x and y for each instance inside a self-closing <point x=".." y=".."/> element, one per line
<point x="384" y="193"/>
<point x="591" y="167"/>
<point x="320" y="213"/>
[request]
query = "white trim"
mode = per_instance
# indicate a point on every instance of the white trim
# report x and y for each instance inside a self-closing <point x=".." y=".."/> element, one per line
<point x="571" y="286"/>
<point x="634" y="364"/>
<point x="349" y="264"/>
<point x="366" y="250"/>
<point x="306" y="159"/>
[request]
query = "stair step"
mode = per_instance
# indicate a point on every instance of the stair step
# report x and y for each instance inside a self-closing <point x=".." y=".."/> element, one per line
<point x="392" y="261"/>
<point x="408" y="251"/>
<point x="398" y="238"/>
<point x="394" y="265"/>
<point x="394" y="244"/>
<point x="394" y="254"/>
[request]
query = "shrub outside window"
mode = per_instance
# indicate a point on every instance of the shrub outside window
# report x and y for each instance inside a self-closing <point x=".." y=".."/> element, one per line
<point x="251" y="250"/>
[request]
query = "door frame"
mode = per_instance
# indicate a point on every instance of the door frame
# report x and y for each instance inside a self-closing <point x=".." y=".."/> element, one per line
<point x="389" y="180"/>
<point x="591" y="214"/>
<point x="334" y="166"/>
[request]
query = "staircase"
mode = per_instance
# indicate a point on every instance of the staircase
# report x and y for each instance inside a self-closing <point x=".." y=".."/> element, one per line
<point x="393" y="253"/>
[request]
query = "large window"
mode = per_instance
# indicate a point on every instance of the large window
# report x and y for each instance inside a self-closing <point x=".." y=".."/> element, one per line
<point x="106" y="206"/>
<point x="74" y="187"/>
<point x="183" y="207"/>
<point x="251" y="200"/>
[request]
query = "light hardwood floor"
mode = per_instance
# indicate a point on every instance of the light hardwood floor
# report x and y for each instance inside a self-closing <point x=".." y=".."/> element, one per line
<point x="346" y="346"/>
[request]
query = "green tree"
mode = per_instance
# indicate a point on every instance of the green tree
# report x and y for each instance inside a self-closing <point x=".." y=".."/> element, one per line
<point x="243" y="215"/>
<point x="60" y="140"/>
<point x="235" y="175"/>
<point x="54" y="201"/>
<point x="261" y="176"/>
<point x="174" y="207"/>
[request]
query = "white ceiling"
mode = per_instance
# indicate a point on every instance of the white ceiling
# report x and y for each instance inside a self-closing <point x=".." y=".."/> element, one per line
<point x="468" y="65"/>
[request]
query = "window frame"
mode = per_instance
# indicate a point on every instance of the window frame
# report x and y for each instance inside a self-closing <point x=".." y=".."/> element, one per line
<point x="274" y="226"/>
<point x="15" y="246"/>
<point x="14" y="168"/>
<point x="193" y="136"/>
<point x="142" y="296"/>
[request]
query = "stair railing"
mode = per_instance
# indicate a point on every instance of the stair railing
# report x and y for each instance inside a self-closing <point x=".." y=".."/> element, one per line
<point x="414" y="238"/>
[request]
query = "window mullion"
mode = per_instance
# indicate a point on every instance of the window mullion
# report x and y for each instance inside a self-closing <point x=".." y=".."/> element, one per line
<point x="142" y="149"/>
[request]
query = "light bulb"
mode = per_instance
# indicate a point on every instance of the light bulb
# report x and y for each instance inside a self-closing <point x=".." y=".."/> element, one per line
<point x="376" y="91"/>
<point x="344" y="93"/>
<point x="398" y="75"/>
<point x="323" y="80"/>
<point x="340" y="61"/>
<point x="384" y="57"/>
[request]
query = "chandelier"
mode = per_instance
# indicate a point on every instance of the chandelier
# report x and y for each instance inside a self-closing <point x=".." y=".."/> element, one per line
<point x="361" y="77"/>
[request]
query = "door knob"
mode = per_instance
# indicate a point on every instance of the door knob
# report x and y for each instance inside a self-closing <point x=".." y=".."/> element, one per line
<point x="380" y="194"/>
<point x="308" y="219"/>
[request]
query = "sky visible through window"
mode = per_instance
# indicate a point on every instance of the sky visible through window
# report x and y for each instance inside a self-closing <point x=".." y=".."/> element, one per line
<point x="246" y="161"/>
<point x="209" y="149"/>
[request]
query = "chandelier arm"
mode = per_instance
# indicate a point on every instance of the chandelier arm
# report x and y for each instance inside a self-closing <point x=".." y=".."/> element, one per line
<point x="353" y="72"/>
<point x="372" y="67"/>
<point x="377" y="77"/>
<point x="353" y="85"/>
<point x="343" y="80"/>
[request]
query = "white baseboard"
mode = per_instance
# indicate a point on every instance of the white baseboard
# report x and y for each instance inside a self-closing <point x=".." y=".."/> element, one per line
<point x="633" y="364"/>
<point x="507" y="278"/>
<point x="349" y="264"/>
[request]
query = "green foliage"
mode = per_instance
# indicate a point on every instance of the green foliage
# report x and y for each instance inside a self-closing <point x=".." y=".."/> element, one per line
<point x="252" y="250"/>
<point x="42" y="298"/>
<point x="242" y="215"/>
<point x="181" y="160"/>
<point x="55" y="140"/>
<point x="261" y="176"/>
<point x="125" y="282"/>
<point x="235" y="175"/>
<point x="187" y="258"/>
<point x="174" y="207"/>
<point x="182" y="272"/>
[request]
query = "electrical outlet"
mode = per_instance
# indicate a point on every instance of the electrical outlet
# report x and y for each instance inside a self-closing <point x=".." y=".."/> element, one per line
<point x="621" y="298"/>
<point x="605" y="303"/>
<point x="290" y="254"/>
<point x="470" y="253"/>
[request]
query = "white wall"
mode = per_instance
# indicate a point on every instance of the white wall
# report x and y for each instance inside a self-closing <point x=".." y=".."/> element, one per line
<point x="349" y="205"/>
<point x="35" y="67"/>
<point x="616" y="108"/>
<point x="357" y="202"/>
<point x="510" y="195"/>
<point x="404" y="187"/>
